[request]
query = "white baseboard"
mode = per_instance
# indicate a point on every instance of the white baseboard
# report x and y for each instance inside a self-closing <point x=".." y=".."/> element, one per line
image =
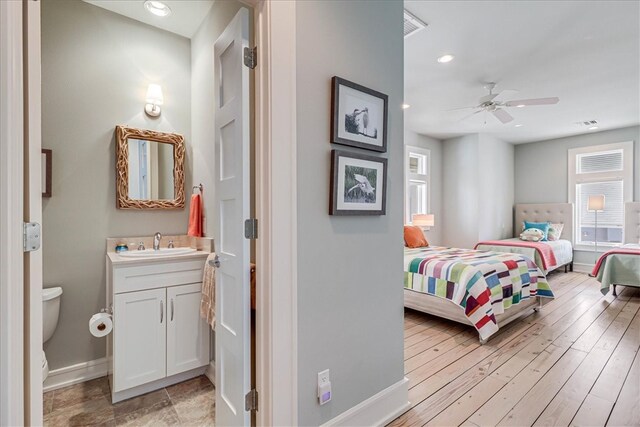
<point x="582" y="268"/>
<point x="211" y="372"/>
<point x="75" y="374"/>
<point x="378" y="410"/>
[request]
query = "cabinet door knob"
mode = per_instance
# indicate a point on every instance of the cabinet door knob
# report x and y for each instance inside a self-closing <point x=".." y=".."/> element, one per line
<point x="172" y="309"/>
<point x="161" y="311"/>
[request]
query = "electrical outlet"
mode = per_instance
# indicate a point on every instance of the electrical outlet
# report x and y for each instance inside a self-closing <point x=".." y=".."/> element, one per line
<point x="324" y="387"/>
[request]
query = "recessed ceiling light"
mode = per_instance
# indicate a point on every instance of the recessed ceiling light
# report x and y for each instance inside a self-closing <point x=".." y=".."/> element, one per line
<point x="518" y="125"/>
<point x="445" y="58"/>
<point x="405" y="106"/>
<point x="520" y="106"/>
<point x="157" y="8"/>
<point x="593" y="128"/>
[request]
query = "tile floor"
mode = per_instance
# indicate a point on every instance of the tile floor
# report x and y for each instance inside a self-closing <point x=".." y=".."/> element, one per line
<point x="191" y="403"/>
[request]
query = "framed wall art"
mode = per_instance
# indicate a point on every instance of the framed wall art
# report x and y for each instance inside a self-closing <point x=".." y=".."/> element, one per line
<point x="358" y="116"/>
<point x="358" y="184"/>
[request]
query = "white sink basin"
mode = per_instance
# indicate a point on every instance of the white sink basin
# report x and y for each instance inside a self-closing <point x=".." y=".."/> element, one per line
<point x="150" y="253"/>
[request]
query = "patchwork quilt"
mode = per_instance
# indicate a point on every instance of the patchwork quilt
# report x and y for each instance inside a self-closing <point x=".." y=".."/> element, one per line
<point x="484" y="284"/>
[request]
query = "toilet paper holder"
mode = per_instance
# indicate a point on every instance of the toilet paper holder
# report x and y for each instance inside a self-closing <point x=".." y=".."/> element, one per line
<point x="108" y="310"/>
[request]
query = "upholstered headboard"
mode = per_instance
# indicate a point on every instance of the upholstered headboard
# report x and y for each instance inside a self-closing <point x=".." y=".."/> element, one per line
<point x="546" y="212"/>
<point x="632" y="222"/>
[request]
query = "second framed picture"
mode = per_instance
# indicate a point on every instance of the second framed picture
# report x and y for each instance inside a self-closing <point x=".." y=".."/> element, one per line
<point x="358" y="184"/>
<point x="358" y="116"/>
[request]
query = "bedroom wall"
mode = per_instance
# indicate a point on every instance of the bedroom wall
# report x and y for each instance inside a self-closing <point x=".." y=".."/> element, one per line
<point x="477" y="188"/>
<point x="497" y="174"/>
<point x="349" y="285"/>
<point x="460" y="191"/>
<point x="550" y="184"/>
<point x="96" y="66"/>
<point x="434" y="235"/>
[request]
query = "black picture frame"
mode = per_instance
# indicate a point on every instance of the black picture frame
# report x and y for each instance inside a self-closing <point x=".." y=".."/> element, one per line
<point x="339" y="127"/>
<point x="338" y="203"/>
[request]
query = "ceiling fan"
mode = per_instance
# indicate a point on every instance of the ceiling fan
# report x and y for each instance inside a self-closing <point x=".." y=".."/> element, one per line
<point x="492" y="104"/>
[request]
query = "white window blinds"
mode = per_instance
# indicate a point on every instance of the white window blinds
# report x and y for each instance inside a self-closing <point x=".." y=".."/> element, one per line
<point x="613" y="214"/>
<point x="606" y="161"/>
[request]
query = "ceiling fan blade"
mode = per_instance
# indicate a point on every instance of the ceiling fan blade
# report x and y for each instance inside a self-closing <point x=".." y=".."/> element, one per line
<point x="502" y="115"/>
<point x="534" y="101"/>
<point x="507" y="93"/>
<point x="470" y="115"/>
<point x="461" y="108"/>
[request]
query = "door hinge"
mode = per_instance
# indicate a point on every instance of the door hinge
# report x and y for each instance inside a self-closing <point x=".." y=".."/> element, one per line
<point x="251" y="229"/>
<point x="251" y="57"/>
<point x="30" y="236"/>
<point x="251" y="400"/>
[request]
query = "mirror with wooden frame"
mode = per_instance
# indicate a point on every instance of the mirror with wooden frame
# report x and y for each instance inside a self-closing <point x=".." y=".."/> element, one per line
<point x="149" y="169"/>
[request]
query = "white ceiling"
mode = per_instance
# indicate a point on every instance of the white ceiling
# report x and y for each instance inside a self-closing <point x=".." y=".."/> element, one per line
<point x="185" y="18"/>
<point x="587" y="53"/>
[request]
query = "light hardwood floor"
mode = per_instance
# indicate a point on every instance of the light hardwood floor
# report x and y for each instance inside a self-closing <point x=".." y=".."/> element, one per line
<point x="574" y="363"/>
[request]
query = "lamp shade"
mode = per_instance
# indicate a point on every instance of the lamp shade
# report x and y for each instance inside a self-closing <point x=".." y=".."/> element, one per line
<point x="423" y="220"/>
<point x="596" y="202"/>
<point x="154" y="94"/>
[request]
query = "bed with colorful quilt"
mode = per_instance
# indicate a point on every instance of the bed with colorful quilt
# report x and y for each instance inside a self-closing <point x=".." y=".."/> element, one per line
<point x="551" y="253"/>
<point x="484" y="289"/>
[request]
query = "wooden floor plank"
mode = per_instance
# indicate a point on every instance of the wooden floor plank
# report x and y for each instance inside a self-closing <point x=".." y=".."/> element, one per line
<point x="578" y="346"/>
<point x="567" y="402"/>
<point x="626" y="411"/>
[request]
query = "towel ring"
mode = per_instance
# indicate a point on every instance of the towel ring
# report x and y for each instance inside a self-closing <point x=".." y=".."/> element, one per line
<point x="197" y="187"/>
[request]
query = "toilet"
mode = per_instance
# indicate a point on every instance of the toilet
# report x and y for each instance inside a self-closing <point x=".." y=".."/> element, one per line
<point x="50" y="312"/>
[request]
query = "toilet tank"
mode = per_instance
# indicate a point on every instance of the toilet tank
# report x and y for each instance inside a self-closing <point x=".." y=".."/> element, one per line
<point x="50" y="311"/>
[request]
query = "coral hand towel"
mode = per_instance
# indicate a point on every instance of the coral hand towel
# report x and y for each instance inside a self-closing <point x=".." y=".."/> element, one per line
<point x="195" y="216"/>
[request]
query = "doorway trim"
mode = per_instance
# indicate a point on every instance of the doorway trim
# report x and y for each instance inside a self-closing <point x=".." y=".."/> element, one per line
<point x="276" y="210"/>
<point x="12" y="385"/>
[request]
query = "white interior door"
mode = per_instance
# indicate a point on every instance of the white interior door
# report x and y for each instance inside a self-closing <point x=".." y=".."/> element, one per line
<point x="233" y="377"/>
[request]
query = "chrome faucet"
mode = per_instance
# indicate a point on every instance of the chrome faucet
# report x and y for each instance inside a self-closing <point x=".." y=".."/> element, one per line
<point x="156" y="241"/>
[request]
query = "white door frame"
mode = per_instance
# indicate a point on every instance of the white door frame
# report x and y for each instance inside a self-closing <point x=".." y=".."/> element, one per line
<point x="12" y="384"/>
<point x="33" y="213"/>
<point x="276" y="210"/>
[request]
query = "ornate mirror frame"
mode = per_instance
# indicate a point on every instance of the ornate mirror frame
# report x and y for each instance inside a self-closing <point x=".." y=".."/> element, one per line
<point x="123" y="133"/>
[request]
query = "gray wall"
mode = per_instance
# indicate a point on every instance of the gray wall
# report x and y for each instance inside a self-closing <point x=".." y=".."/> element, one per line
<point x="478" y="174"/>
<point x="495" y="219"/>
<point x="96" y="66"/>
<point x="434" y="235"/>
<point x="550" y="183"/>
<point x="202" y="105"/>
<point x="460" y="189"/>
<point x="350" y="301"/>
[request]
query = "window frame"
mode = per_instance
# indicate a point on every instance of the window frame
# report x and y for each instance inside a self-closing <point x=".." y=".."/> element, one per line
<point x="575" y="178"/>
<point x="408" y="177"/>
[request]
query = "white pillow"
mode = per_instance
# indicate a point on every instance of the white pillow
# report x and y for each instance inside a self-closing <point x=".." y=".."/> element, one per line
<point x="532" y="235"/>
<point x="555" y="231"/>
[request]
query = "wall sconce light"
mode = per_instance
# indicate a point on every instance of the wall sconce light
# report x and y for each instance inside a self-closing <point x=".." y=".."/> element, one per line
<point x="154" y="100"/>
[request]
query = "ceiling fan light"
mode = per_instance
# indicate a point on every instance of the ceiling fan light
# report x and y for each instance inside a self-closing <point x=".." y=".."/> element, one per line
<point x="445" y="58"/>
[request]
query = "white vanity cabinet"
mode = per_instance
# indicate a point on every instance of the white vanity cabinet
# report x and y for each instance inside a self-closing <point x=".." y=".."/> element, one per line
<point x="158" y="337"/>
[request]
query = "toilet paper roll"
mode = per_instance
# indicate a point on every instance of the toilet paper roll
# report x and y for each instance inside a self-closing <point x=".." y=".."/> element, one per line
<point x="100" y="324"/>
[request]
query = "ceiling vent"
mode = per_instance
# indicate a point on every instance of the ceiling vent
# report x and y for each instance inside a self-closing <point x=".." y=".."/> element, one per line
<point x="588" y="123"/>
<point x="412" y="24"/>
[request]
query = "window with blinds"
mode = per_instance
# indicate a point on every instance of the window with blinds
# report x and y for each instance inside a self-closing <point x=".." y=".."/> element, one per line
<point x="604" y="170"/>
<point x="417" y="182"/>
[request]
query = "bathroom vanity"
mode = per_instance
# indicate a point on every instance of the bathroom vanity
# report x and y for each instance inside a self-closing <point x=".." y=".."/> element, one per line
<point x="158" y="337"/>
